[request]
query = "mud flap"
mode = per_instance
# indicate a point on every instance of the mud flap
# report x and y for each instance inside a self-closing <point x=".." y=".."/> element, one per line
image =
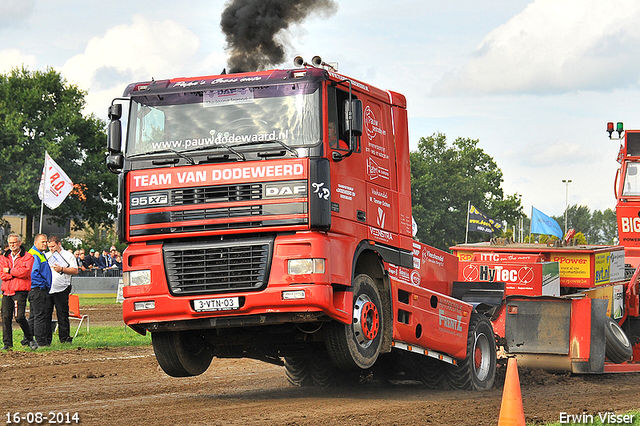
<point x="598" y="345"/>
<point x="556" y="334"/>
<point x="482" y="295"/>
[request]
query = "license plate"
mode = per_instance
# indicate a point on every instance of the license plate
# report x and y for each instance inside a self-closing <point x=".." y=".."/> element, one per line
<point x="220" y="304"/>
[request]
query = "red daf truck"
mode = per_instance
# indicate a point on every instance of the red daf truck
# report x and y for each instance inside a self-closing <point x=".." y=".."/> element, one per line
<point x="268" y="216"/>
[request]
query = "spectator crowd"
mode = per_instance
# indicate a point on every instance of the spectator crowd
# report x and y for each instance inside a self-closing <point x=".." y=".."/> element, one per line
<point x="43" y="277"/>
<point x="107" y="263"/>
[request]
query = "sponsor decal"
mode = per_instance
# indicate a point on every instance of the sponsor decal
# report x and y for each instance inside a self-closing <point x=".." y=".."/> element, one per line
<point x="380" y="219"/>
<point x="575" y="269"/>
<point x="380" y="234"/>
<point x="415" y="278"/>
<point x="429" y="256"/>
<point x="474" y="272"/>
<point x="372" y="125"/>
<point x="220" y="138"/>
<point x="353" y="82"/>
<point x="375" y="171"/>
<point x="216" y="174"/>
<point x="454" y="324"/>
<point x="346" y="192"/>
<point x="319" y="189"/>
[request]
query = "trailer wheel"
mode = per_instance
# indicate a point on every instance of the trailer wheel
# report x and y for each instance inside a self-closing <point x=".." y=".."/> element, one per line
<point x="298" y="370"/>
<point x="618" y="347"/>
<point x="478" y="370"/>
<point x="181" y="353"/>
<point x="357" y="345"/>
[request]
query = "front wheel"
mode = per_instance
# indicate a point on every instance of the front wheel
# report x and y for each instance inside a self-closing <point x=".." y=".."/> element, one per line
<point x="357" y="345"/>
<point x="478" y="370"/>
<point x="181" y="353"/>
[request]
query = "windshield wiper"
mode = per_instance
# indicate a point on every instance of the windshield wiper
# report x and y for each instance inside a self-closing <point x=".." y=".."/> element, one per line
<point x="178" y="153"/>
<point x="221" y="145"/>
<point x="282" y="144"/>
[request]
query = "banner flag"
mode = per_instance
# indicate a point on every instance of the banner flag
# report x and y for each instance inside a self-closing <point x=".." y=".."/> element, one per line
<point x="55" y="185"/>
<point x="543" y="224"/>
<point x="480" y="222"/>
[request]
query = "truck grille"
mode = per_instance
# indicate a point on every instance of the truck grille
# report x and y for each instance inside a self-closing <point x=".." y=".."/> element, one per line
<point x="218" y="267"/>
<point x="216" y="194"/>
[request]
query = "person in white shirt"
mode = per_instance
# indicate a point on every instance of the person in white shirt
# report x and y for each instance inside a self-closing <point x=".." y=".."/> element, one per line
<point x="63" y="265"/>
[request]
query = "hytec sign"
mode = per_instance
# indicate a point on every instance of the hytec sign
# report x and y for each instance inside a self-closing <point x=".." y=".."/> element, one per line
<point x="526" y="279"/>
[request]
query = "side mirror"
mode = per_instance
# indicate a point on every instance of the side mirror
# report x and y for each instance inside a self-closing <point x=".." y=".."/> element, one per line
<point x="115" y="159"/>
<point x="353" y="117"/>
<point x="115" y="162"/>
<point x="115" y="129"/>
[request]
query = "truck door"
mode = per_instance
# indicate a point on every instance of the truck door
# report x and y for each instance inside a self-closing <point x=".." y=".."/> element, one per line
<point x="380" y="175"/>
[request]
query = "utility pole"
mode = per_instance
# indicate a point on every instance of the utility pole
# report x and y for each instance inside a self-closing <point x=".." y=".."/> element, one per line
<point x="566" y="204"/>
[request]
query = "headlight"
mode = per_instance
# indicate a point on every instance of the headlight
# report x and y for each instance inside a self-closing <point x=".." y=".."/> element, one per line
<point x="142" y="277"/>
<point x="305" y="266"/>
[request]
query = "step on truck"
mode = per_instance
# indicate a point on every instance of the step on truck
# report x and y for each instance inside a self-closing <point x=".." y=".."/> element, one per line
<point x="268" y="216"/>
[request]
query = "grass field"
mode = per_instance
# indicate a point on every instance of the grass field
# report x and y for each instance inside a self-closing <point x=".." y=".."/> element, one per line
<point x="97" y="337"/>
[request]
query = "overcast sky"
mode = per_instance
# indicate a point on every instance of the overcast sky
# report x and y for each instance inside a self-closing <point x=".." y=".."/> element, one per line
<point x="534" y="81"/>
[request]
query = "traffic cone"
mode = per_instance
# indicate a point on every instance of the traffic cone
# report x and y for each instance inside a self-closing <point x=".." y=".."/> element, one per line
<point x="511" y="411"/>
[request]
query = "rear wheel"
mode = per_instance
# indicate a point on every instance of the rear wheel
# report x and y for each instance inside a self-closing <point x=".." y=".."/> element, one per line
<point x="429" y="371"/>
<point x="618" y="347"/>
<point x="357" y="345"/>
<point x="181" y="353"/>
<point x="298" y="370"/>
<point x="318" y="370"/>
<point x="478" y="370"/>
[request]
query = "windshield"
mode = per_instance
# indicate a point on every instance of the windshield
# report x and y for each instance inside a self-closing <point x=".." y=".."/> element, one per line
<point x="631" y="180"/>
<point x="189" y="121"/>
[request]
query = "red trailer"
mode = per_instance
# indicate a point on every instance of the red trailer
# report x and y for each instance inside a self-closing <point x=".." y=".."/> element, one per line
<point x="592" y="326"/>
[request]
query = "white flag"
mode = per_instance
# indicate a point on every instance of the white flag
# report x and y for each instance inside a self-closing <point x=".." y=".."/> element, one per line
<point x="54" y="184"/>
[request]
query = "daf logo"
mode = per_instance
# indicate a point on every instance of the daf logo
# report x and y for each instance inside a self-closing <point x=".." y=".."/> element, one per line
<point x="285" y="190"/>
<point x="149" y="200"/>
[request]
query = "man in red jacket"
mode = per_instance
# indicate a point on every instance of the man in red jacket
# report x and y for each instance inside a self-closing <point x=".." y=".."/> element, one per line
<point x="15" y="272"/>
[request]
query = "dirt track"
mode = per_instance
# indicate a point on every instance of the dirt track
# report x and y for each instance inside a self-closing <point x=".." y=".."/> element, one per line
<point x="126" y="387"/>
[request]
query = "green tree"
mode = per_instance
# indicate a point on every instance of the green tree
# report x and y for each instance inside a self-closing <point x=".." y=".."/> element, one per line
<point x="40" y="111"/>
<point x="444" y="178"/>
<point x="598" y="227"/>
<point x="604" y="227"/>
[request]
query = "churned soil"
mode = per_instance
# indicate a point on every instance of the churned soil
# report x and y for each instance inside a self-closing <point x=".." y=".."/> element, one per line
<point x="125" y="386"/>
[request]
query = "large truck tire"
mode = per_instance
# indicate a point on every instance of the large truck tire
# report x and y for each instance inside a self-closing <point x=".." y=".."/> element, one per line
<point x="429" y="371"/>
<point x="478" y="370"/>
<point x="357" y="345"/>
<point x="317" y="369"/>
<point x="618" y="347"/>
<point x="181" y="353"/>
<point x="298" y="370"/>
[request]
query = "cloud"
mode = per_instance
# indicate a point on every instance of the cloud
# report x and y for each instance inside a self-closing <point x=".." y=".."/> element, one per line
<point x="13" y="12"/>
<point x="143" y="50"/>
<point x="554" y="46"/>
<point x="12" y="58"/>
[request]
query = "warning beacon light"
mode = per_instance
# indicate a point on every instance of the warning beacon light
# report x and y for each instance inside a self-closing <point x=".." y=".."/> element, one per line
<point x="619" y="129"/>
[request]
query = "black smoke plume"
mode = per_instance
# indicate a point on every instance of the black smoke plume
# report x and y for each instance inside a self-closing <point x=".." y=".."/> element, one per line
<point x="251" y="28"/>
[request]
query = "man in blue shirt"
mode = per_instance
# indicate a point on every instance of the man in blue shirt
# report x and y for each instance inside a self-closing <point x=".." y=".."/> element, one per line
<point x="39" y="294"/>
